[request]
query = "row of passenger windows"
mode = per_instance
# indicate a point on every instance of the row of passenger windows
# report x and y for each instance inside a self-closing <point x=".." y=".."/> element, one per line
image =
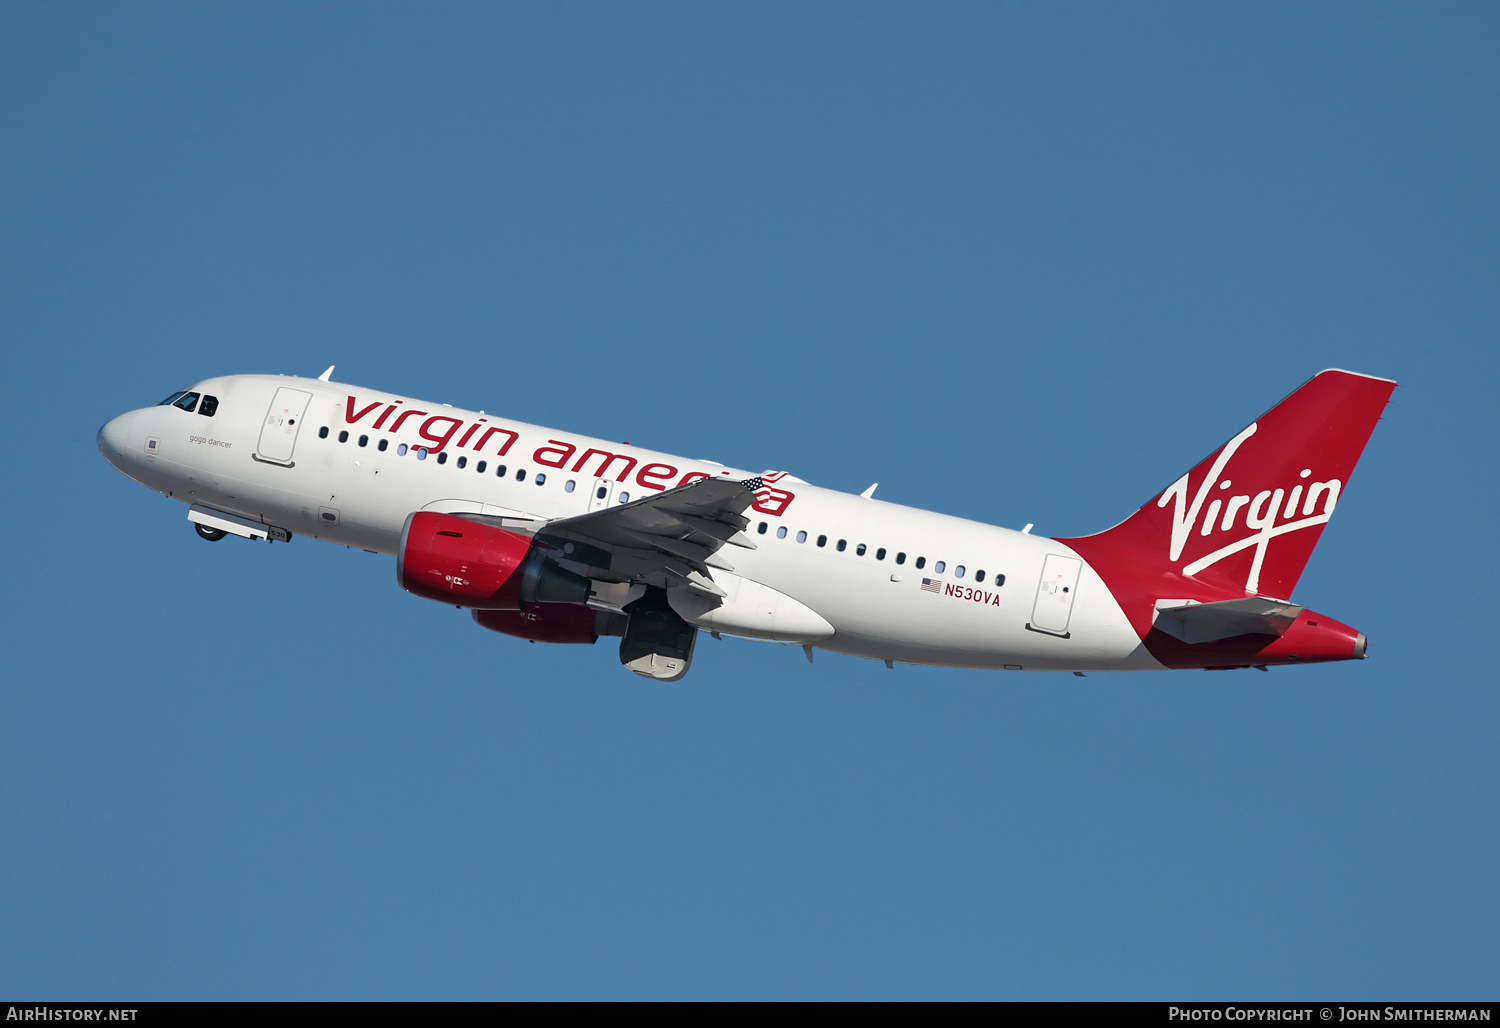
<point x="422" y="453"/>
<point x="860" y="549"/>
<point x="189" y="401"/>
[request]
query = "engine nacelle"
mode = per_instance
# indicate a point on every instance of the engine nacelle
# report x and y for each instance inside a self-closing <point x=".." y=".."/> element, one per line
<point x="548" y="623"/>
<point x="454" y="560"/>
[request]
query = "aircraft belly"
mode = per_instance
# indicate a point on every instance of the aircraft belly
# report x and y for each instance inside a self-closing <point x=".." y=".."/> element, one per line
<point x="751" y="609"/>
<point x="960" y="624"/>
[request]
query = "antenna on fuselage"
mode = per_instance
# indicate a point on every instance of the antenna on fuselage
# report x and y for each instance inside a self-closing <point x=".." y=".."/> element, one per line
<point x="324" y="376"/>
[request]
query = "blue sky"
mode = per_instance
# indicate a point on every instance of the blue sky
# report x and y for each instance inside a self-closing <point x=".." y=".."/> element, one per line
<point x="1016" y="263"/>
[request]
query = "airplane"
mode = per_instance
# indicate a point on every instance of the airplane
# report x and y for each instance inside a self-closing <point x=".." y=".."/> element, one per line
<point x="553" y="537"/>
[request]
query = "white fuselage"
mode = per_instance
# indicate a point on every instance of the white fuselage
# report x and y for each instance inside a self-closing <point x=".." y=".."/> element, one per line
<point x="894" y="583"/>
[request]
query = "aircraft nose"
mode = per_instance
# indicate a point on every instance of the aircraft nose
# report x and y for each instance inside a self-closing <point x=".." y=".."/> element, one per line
<point x="112" y="438"/>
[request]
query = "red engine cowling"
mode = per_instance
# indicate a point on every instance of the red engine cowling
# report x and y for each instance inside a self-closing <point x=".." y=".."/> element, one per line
<point x="548" y="623"/>
<point x="468" y="564"/>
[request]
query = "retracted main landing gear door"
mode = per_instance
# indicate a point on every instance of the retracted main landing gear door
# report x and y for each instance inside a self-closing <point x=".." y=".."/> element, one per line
<point x="279" y="433"/>
<point x="1054" y="595"/>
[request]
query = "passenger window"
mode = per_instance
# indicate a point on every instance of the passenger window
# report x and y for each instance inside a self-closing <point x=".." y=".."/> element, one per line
<point x="442" y="456"/>
<point x="364" y="440"/>
<point x="462" y="462"/>
<point x="958" y="572"/>
<point x="541" y="479"/>
<point x="762" y="529"/>
<point x="937" y="568"/>
<point x="781" y="532"/>
<point x="383" y="444"/>
<point x="499" y="470"/>
<point x="979" y="575"/>
<point x="880" y="553"/>
<point x="520" y="474"/>
<point x="921" y="562"/>
<point x="210" y="404"/>
<point x="343" y="437"/>
<point x="900" y="558"/>
<point x="843" y="545"/>
<point x="568" y="485"/>
<point x="479" y="467"/>
<point x="802" y="537"/>
<point x="624" y="497"/>
<point x="323" y="432"/>
<point x="859" y="550"/>
<point x="602" y="492"/>
<point x="999" y="581"/>
<point x="401" y="450"/>
<point x="421" y="453"/>
<point x="188" y="402"/>
<point x="822" y="540"/>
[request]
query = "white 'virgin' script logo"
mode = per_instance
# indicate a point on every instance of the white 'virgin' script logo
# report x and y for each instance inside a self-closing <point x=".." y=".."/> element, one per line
<point x="1261" y="513"/>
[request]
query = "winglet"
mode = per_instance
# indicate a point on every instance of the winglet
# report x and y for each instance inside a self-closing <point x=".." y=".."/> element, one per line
<point x="324" y="376"/>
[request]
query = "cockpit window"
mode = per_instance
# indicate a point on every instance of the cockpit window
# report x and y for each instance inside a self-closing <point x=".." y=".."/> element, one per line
<point x="173" y="398"/>
<point x="187" y="402"/>
<point x="209" y="405"/>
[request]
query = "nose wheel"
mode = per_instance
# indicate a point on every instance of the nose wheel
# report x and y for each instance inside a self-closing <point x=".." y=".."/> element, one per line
<point x="213" y="535"/>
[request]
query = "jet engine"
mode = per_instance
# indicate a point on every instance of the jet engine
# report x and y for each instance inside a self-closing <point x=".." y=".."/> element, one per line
<point x="468" y="564"/>
<point x="552" y="623"/>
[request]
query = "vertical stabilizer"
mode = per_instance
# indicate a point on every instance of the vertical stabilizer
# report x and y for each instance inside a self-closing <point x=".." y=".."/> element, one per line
<point x="1248" y="516"/>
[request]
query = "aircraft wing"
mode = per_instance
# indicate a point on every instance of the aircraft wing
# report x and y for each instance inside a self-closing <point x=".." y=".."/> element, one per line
<point x="668" y="538"/>
<point x="1207" y="622"/>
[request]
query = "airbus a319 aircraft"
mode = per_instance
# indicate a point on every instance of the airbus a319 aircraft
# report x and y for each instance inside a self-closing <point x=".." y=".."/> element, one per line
<point x="554" y="537"/>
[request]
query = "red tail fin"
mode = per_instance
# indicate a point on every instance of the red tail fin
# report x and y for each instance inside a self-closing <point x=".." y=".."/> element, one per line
<point x="1250" y="514"/>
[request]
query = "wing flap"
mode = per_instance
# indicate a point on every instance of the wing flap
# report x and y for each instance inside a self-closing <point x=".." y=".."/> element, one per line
<point x="673" y="536"/>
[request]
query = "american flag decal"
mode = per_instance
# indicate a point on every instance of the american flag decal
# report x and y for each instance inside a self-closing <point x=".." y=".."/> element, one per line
<point x="932" y="585"/>
<point x="751" y="483"/>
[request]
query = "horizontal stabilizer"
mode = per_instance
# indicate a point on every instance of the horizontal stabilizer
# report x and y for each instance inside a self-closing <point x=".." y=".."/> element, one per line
<point x="1208" y="622"/>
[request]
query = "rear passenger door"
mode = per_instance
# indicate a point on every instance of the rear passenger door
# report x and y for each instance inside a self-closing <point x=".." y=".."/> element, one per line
<point x="1055" y="593"/>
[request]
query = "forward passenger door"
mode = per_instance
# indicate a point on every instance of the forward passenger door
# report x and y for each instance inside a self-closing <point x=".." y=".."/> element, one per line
<point x="278" y="435"/>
